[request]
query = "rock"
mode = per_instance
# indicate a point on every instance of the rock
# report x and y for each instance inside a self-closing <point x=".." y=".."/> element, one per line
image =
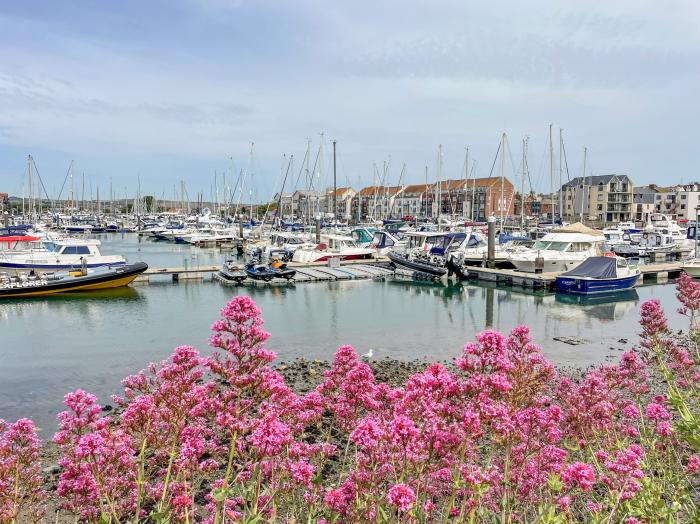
<point x="312" y="372"/>
<point x="623" y="341"/>
<point x="107" y="408"/>
<point x="282" y="367"/>
<point x="51" y="469"/>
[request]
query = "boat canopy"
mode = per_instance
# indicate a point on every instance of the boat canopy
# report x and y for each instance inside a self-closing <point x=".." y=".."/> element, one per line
<point x="25" y="238"/>
<point x="595" y="267"/>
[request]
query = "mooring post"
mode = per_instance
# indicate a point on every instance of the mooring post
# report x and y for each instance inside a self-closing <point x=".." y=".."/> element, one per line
<point x="492" y="242"/>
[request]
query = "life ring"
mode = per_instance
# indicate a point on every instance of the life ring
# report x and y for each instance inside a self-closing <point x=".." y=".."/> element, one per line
<point x="609" y="254"/>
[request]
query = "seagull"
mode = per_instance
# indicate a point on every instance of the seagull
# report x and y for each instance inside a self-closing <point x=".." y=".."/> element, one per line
<point x="367" y="355"/>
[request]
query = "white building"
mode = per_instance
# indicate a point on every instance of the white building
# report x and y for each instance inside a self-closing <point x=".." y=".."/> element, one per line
<point x="687" y="199"/>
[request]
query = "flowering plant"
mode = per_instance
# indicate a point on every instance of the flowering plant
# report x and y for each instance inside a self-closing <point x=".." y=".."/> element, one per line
<point x="497" y="436"/>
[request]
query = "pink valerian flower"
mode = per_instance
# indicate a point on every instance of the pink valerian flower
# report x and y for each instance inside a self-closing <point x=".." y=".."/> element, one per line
<point x="653" y="322"/>
<point x="401" y="497"/>
<point x="21" y="483"/>
<point x="693" y="464"/>
<point x="302" y="472"/>
<point x="632" y="520"/>
<point x="624" y="472"/>
<point x="367" y="433"/>
<point x="656" y="412"/>
<point x="270" y="436"/>
<point x="349" y="389"/>
<point x="579" y="475"/>
<point x="688" y="294"/>
<point x="630" y="411"/>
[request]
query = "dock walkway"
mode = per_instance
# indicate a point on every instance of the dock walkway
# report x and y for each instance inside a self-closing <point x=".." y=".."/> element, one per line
<point x="311" y="271"/>
<point x="545" y="281"/>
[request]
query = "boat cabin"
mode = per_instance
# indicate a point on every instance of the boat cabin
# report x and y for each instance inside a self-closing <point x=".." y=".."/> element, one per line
<point x="436" y="243"/>
<point x="363" y="235"/>
<point x="567" y="242"/>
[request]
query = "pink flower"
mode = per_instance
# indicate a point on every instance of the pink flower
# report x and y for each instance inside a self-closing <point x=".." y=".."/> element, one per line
<point x="693" y="464"/>
<point x="367" y="433"/>
<point x="656" y="411"/>
<point x="401" y="496"/>
<point x="630" y="411"/>
<point x="335" y="499"/>
<point x="580" y="475"/>
<point x="302" y="472"/>
<point x="653" y="321"/>
<point x="271" y="435"/>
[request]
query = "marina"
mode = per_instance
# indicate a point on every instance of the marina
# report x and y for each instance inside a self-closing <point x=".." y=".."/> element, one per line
<point x="352" y="262"/>
<point x="93" y="339"/>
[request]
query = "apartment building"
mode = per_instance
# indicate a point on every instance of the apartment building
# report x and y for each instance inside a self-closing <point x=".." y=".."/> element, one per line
<point x="643" y="202"/>
<point x="687" y="199"/>
<point x="665" y="201"/>
<point x="603" y="198"/>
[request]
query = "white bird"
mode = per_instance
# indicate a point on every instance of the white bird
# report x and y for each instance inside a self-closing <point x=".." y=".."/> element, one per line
<point x="367" y="355"/>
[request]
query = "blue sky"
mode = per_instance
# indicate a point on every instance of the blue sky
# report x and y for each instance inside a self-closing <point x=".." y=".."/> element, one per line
<point x="164" y="91"/>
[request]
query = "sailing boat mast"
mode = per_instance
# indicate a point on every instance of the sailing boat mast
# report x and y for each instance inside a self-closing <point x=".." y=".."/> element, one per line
<point x="335" y="188"/>
<point x="583" y="184"/>
<point x="501" y="200"/>
<point x="438" y="188"/>
<point x="466" y="181"/>
<point x="522" y="186"/>
<point x="551" y="171"/>
<point x="561" y="196"/>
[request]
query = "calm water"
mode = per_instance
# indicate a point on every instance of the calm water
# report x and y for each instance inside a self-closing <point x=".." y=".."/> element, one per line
<point x="49" y="346"/>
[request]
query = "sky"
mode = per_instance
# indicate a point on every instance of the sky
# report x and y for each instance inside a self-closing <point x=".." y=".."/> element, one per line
<point x="161" y="93"/>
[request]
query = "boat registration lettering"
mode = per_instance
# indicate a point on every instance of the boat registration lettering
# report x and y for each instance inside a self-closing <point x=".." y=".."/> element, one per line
<point x="29" y="283"/>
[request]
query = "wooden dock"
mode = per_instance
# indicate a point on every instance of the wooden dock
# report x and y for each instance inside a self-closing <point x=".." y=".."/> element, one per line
<point x="545" y="281"/>
<point x="312" y="271"/>
<point x="321" y="273"/>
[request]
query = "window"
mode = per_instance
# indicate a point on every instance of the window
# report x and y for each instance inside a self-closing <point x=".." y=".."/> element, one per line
<point x="682" y="206"/>
<point x="600" y="207"/>
<point x="76" y="250"/>
<point x="683" y="197"/>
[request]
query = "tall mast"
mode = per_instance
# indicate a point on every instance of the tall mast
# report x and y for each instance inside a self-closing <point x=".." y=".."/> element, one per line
<point x="561" y="148"/>
<point x="522" y="186"/>
<point x="501" y="201"/>
<point x="551" y="170"/>
<point x="466" y="181"/>
<point x="583" y="191"/>
<point x="335" y="188"/>
<point x="425" y="191"/>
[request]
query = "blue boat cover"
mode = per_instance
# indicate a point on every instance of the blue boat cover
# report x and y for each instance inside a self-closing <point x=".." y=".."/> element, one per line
<point x="595" y="267"/>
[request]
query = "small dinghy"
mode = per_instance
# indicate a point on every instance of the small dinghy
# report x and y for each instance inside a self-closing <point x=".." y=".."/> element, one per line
<point x="33" y="285"/>
<point x="604" y="274"/>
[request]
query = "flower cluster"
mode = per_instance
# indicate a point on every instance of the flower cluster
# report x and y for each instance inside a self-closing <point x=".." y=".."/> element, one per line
<point x="497" y="436"/>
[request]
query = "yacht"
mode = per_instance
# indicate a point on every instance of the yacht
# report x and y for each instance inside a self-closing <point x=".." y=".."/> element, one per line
<point x="661" y="235"/>
<point x="562" y="250"/>
<point x="54" y="254"/>
<point x="332" y="246"/>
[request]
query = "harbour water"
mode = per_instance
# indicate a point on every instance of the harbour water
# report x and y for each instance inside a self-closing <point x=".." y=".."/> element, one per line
<point x="49" y="346"/>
